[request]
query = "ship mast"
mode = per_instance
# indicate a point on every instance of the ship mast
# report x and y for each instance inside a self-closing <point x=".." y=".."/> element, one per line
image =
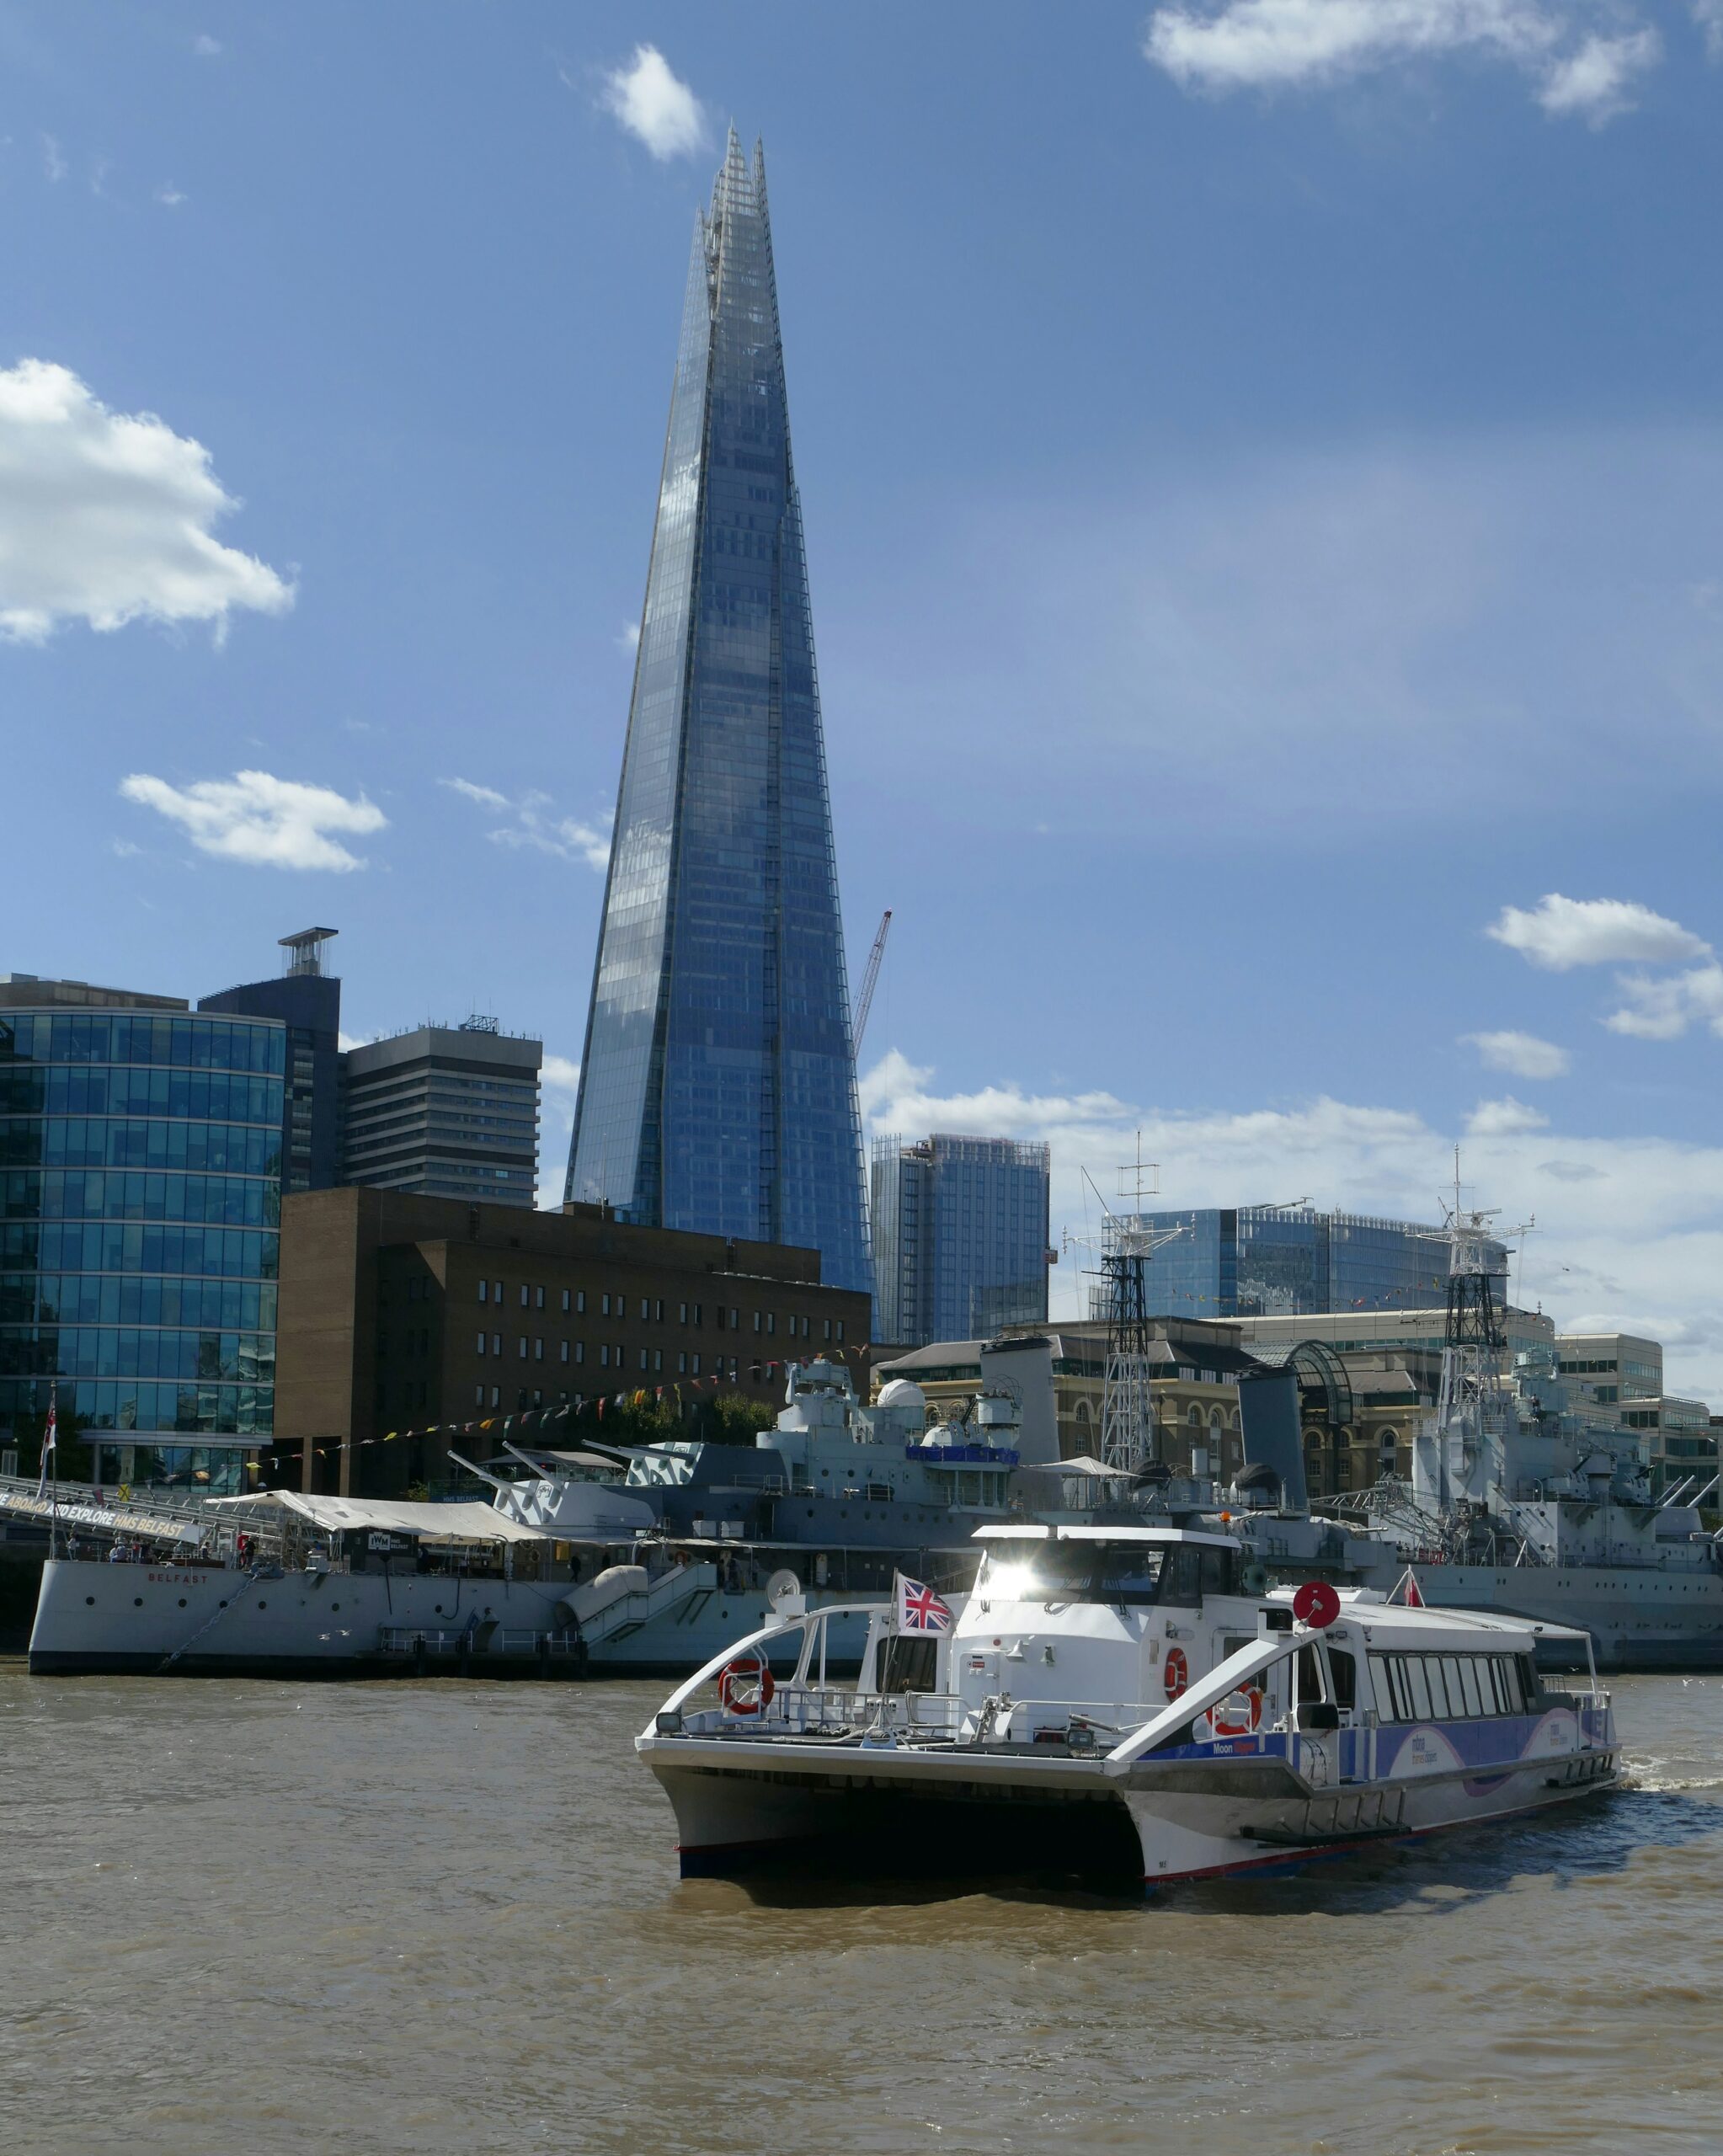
<point x="1125" y="1246"/>
<point x="1472" y="1407"/>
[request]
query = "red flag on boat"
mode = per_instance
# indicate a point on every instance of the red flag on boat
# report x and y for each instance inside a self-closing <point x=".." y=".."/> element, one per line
<point x="49" y="1440"/>
<point x="1411" y="1599"/>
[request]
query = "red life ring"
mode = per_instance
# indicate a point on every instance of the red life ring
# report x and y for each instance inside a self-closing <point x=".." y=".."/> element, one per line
<point x="1241" y="1723"/>
<point x="749" y="1670"/>
<point x="1178" y="1673"/>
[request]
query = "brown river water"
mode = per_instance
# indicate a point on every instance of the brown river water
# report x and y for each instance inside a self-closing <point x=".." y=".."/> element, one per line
<point x="440" y="1917"/>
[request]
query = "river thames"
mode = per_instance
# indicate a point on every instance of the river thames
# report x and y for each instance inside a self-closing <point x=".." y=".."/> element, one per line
<point x="443" y="1917"/>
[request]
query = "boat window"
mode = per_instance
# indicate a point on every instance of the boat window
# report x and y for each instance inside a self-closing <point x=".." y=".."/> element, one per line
<point x="1431" y="1665"/>
<point x="1219" y="1573"/>
<point x="1128" y="1573"/>
<point x="1310" y="1676"/>
<point x="1344" y="1671"/>
<point x="1422" y="1709"/>
<point x="1507" y="1682"/>
<point x="1469" y="1678"/>
<point x="1456" y="1693"/>
<point x="909" y="1665"/>
<point x="1385" y="1677"/>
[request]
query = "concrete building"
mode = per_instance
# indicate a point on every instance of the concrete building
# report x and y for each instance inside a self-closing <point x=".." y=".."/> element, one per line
<point x="1250" y="1261"/>
<point x="1377" y="1331"/>
<point x="1194" y="1392"/>
<point x="960" y="1237"/>
<point x="140" y="1196"/>
<point x="401" y="1311"/>
<point x="307" y="999"/>
<point x="445" y="1111"/>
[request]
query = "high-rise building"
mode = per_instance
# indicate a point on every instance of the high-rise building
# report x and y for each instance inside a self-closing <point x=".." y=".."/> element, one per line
<point x="717" y="1085"/>
<point x="139" y="1197"/>
<point x="960" y="1237"/>
<point x="308" y="1000"/>
<point x="450" y="1111"/>
<point x="1268" y="1260"/>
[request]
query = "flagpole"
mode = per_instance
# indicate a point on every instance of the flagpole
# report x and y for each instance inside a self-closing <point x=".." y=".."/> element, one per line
<point x="54" y="1443"/>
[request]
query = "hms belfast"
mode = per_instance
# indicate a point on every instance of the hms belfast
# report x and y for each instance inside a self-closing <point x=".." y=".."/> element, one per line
<point x="1516" y="1505"/>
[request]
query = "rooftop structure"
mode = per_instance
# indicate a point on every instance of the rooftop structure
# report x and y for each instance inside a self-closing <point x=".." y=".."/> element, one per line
<point x="448" y="1111"/>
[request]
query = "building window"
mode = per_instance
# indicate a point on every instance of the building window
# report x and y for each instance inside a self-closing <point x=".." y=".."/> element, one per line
<point x="642" y="1358"/>
<point x="696" y="1366"/>
<point x="735" y="1319"/>
<point x="756" y="1320"/>
<point x="828" y="1329"/>
<point x="645" y="1308"/>
<point x="733" y="1366"/>
<point x="603" y="1355"/>
<point x="521" y="1348"/>
<point x="772" y="1321"/>
<point x="841" y="1332"/>
<point x="580" y="1300"/>
<point x="483" y="1294"/>
<point x="481" y="1343"/>
<point x="496" y="1291"/>
<point x="496" y="1344"/>
<point x="658" y="1358"/>
<point x="607" y="1306"/>
<point x="682" y="1313"/>
<point x="538" y="1299"/>
<point x="682" y="1366"/>
<point x="538" y="1347"/>
<point x="496" y="1395"/>
<point x="580" y="1351"/>
<point x="565" y="1351"/>
<point x="537" y="1397"/>
<point x="565" y="1298"/>
<point x="478" y="1395"/>
<point x="658" y="1310"/>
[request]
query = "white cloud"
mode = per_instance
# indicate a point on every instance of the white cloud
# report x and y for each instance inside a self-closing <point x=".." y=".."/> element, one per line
<point x="1627" y="1226"/>
<point x="1504" y="1118"/>
<point x="105" y="517"/>
<point x="206" y="46"/>
<point x="265" y="821"/>
<point x="1559" y="933"/>
<point x="1230" y="44"/>
<point x="1594" y="81"/>
<point x="168" y="195"/>
<point x="559" y="1074"/>
<point x="628" y="638"/>
<point x="1522" y="1055"/>
<point x="1662" y="1008"/>
<point x="653" y="104"/>
<point x="536" y="825"/>
<point x="54" y="165"/>
<point x="1709" y="15"/>
<point x="345" y="1041"/>
<point x="486" y="796"/>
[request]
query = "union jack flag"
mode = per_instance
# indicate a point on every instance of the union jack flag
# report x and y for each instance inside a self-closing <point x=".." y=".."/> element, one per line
<point x="919" y="1609"/>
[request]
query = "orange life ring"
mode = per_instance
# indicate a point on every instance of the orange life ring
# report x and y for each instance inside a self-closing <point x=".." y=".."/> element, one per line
<point x="1178" y="1673"/>
<point x="1222" y="1725"/>
<point x="752" y="1671"/>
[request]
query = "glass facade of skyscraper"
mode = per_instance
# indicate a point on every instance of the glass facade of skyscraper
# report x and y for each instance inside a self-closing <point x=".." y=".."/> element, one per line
<point x="960" y="1228"/>
<point x="139" y="1197"/>
<point x="718" y="1087"/>
<point x="1260" y="1261"/>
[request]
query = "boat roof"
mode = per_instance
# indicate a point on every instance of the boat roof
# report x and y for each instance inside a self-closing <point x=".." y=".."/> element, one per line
<point x="1039" y="1533"/>
<point x="1396" y="1623"/>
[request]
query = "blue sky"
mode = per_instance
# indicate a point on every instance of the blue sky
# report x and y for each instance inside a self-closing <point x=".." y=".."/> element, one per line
<point x="1260" y="462"/>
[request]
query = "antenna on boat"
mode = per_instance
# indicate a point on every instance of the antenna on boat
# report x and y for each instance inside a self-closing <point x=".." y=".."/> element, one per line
<point x="1124" y="1245"/>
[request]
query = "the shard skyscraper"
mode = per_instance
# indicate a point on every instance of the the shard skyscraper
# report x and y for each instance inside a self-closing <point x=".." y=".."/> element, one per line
<point x="718" y="1088"/>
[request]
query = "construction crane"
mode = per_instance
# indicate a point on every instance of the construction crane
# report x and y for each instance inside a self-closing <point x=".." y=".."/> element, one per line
<point x="870" y="981"/>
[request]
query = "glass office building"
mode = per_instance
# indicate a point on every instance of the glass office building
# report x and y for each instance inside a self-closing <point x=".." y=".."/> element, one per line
<point x="140" y="1196"/>
<point x="717" y="1085"/>
<point x="1265" y="1261"/>
<point x="960" y="1237"/>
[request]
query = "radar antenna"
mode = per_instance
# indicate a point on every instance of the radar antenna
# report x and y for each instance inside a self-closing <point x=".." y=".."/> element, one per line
<point x="1125" y="1246"/>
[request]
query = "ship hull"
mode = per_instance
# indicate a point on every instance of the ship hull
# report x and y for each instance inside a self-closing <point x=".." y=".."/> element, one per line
<point x="1641" y="1618"/>
<point x="95" y="1619"/>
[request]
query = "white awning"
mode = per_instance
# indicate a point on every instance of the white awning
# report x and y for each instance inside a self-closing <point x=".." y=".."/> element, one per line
<point x="468" y="1522"/>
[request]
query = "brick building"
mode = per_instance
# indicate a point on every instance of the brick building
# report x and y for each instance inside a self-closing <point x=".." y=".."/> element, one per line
<point x="401" y="1312"/>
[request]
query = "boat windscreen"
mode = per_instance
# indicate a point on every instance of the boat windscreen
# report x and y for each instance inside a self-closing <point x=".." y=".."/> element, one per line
<point x="1128" y="1573"/>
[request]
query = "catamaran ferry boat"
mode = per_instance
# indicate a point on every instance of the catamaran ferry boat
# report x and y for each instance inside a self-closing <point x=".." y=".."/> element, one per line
<point x="1108" y="1700"/>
